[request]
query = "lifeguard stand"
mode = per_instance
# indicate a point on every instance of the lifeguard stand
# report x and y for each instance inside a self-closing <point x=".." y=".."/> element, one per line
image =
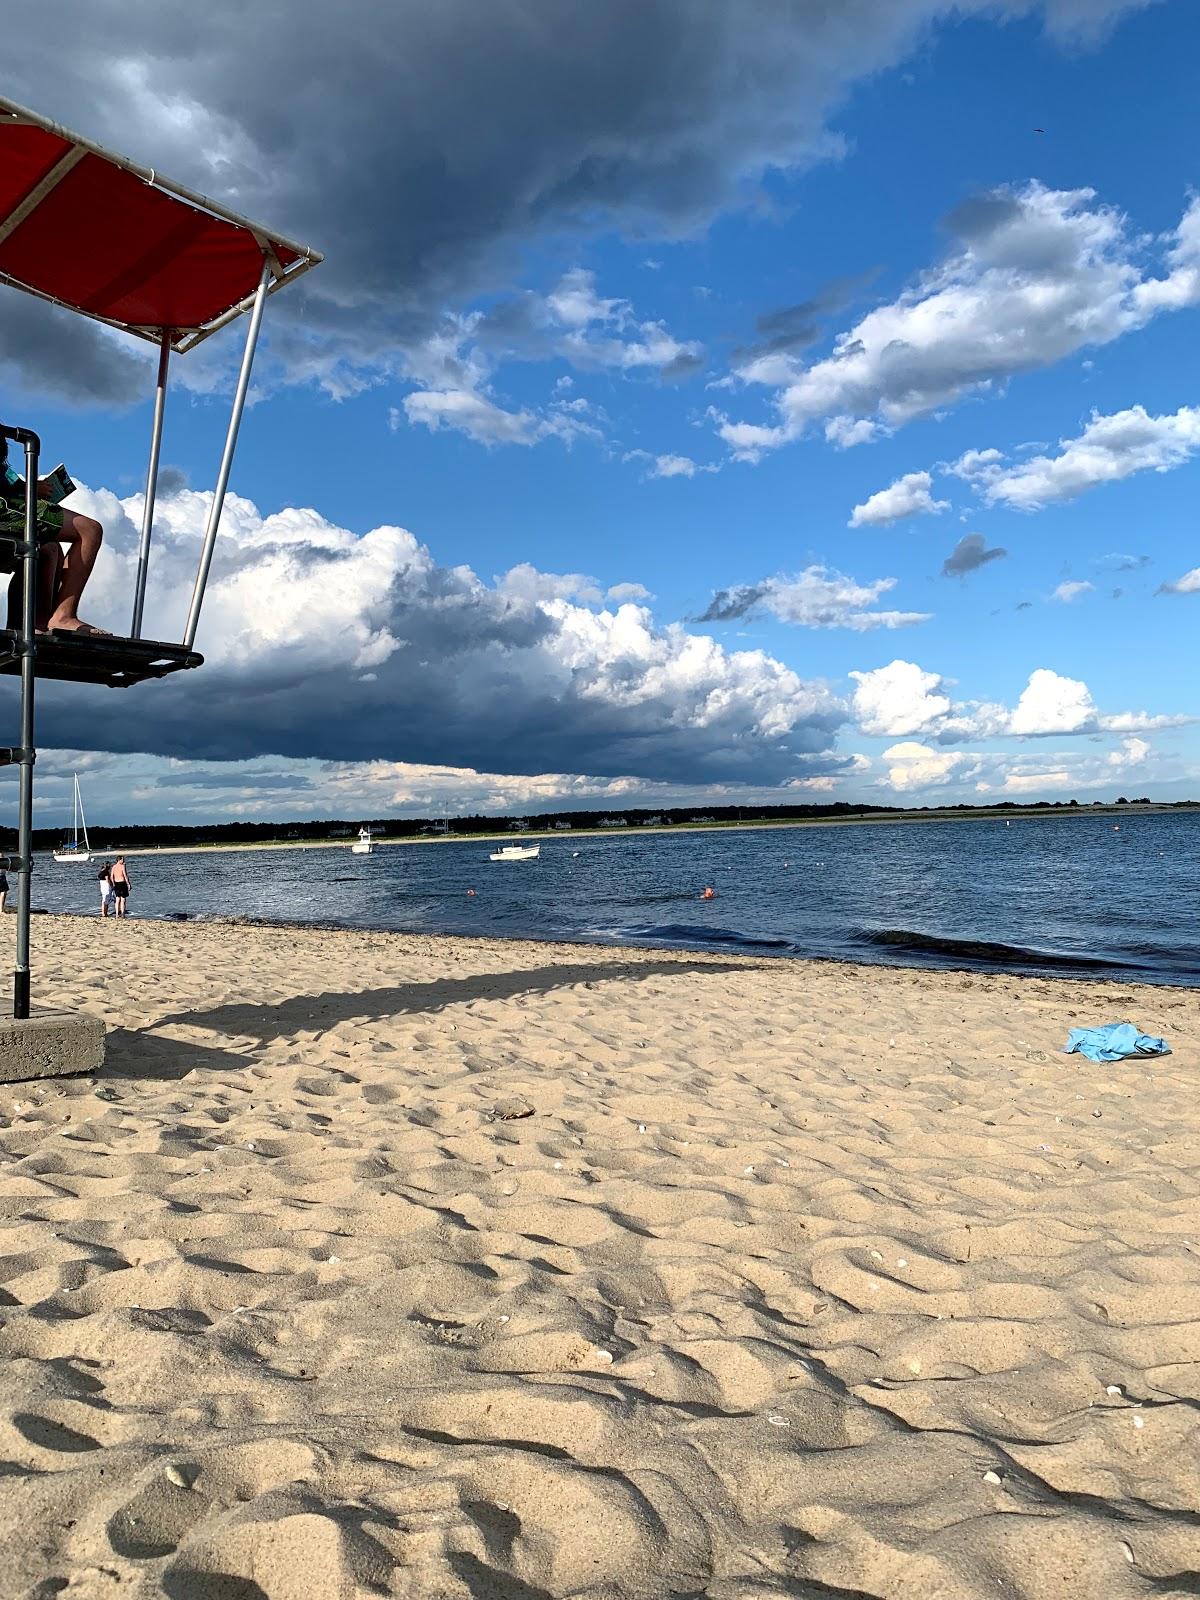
<point x="172" y="267"/>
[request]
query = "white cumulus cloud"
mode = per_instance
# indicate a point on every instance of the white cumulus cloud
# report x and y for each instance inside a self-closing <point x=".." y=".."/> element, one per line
<point x="1051" y="703"/>
<point x="1189" y="583"/>
<point x="911" y="765"/>
<point x="526" y="583"/>
<point x="453" y="365"/>
<point x="1072" y="589"/>
<point x="471" y="412"/>
<point x="673" y="467"/>
<point x="899" y="698"/>
<point x="669" y="466"/>
<point x="902" y="699"/>
<point x="1066" y="771"/>
<point x="846" y="432"/>
<point x="818" y="597"/>
<point x="909" y="496"/>
<point x="1038" y="274"/>
<point x="1110" y="448"/>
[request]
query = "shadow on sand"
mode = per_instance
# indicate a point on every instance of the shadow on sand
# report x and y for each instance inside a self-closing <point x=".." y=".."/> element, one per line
<point x="128" y="1054"/>
<point x="151" y="1055"/>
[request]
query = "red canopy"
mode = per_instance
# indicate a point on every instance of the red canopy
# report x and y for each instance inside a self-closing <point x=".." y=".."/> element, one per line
<point x="115" y="241"/>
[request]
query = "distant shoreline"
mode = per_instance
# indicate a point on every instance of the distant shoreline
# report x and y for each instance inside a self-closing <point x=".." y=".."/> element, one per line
<point x="1030" y="814"/>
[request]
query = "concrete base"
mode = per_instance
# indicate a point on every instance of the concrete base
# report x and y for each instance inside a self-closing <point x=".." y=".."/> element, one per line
<point x="50" y="1044"/>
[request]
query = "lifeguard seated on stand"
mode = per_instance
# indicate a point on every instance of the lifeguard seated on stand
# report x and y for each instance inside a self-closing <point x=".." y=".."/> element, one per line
<point x="61" y="578"/>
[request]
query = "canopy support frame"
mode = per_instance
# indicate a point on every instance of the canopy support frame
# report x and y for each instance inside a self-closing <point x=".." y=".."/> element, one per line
<point x="143" y="566"/>
<point x="189" y="338"/>
<point x="36" y="195"/>
<point x="213" y="522"/>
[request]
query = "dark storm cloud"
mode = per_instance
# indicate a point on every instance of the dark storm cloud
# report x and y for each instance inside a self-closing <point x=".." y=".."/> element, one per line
<point x="419" y="712"/>
<point x="171" y="480"/>
<point x="1118" y="561"/>
<point x="727" y="605"/>
<point x="979" y="216"/>
<point x="969" y="554"/>
<point x="681" y="366"/>
<point x="325" y="645"/>
<point x="422" y="146"/>
<point x="192" y="779"/>
<point x="794" y="327"/>
<point x="47" y="352"/>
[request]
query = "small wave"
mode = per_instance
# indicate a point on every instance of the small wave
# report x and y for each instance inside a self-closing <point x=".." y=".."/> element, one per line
<point x="996" y="954"/>
<point x="661" y="899"/>
<point x="690" y="933"/>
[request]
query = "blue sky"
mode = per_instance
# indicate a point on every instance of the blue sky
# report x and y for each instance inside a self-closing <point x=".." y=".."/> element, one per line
<point x="614" y="334"/>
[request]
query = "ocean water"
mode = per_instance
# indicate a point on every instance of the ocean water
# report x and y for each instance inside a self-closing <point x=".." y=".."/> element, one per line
<point x="1066" y="895"/>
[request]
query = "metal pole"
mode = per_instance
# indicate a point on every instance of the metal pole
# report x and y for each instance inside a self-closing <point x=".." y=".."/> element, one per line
<point x="143" y="566"/>
<point x="29" y="574"/>
<point x="235" y="422"/>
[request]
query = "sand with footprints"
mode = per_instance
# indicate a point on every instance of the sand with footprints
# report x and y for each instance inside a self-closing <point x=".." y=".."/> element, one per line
<point x="389" y="1265"/>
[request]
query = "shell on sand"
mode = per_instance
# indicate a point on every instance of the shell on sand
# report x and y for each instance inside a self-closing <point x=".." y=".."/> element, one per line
<point x="781" y="1257"/>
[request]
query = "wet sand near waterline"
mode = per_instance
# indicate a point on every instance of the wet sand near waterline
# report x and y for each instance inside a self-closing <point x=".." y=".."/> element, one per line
<point x="383" y="1264"/>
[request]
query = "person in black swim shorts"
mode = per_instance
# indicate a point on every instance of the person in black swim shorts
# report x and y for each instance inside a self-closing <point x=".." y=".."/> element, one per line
<point x="119" y="878"/>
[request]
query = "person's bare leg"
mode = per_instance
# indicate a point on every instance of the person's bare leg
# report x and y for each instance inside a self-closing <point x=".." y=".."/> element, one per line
<point x="49" y="562"/>
<point x="83" y="537"/>
<point x="50" y="558"/>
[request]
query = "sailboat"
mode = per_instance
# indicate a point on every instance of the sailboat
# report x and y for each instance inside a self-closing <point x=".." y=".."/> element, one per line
<point x="74" y="851"/>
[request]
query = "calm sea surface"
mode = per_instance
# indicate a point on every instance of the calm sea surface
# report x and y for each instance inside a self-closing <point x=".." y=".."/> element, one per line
<point x="1056" y="895"/>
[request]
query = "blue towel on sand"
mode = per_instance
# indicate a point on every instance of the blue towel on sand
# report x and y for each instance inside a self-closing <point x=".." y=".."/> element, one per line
<point x="1115" y="1041"/>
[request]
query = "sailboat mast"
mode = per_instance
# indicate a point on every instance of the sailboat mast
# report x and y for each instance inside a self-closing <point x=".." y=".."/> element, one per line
<point x="87" y="849"/>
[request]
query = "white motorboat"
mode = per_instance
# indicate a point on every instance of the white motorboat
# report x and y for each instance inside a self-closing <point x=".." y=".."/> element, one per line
<point x="516" y="852"/>
<point x="364" y="845"/>
<point x="74" y="850"/>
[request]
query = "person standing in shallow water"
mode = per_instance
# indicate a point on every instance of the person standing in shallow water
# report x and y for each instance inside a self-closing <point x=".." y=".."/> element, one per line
<point x="119" y="877"/>
<point x="106" y="888"/>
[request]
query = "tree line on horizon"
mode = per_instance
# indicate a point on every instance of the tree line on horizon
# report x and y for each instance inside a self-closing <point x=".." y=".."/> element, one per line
<point x="140" y="835"/>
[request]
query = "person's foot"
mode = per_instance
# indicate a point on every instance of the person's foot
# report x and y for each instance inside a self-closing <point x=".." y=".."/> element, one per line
<point x="77" y="625"/>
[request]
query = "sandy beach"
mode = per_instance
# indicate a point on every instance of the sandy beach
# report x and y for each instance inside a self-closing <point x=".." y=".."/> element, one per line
<point x="427" y="1267"/>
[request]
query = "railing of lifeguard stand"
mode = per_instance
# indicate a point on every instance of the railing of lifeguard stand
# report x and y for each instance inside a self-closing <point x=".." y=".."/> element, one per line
<point x="24" y="755"/>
